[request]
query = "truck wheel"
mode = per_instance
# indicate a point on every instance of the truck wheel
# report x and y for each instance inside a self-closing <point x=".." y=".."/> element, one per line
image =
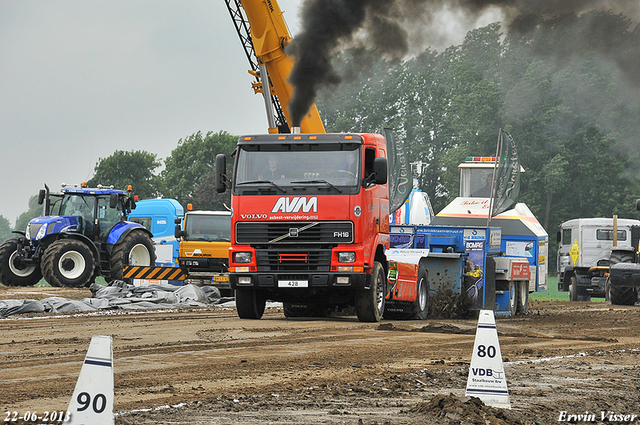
<point x="370" y="302"/>
<point x="421" y="304"/>
<point x="513" y="297"/>
<point x="248" y="304"/>
<point x="573" y="289"/>
<point x="135" y="249"/>
<point x="622" y="295"/>
<point x="12" y="273"/>
<point x="523" y="297"/>
<point x="304" y="310"/>
<point x="68" y="262"/>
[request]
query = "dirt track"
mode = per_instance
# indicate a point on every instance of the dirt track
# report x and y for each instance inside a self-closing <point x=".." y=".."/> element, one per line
<point x="205" y="366"/>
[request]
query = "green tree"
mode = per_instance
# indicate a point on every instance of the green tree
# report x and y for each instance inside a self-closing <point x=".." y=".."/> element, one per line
<point x="35" y="210"/>
<point x="123" y="168"/>
<point x="205" y="197"/>
<point x="191" y="162"/>
<point x="5" y="229"/>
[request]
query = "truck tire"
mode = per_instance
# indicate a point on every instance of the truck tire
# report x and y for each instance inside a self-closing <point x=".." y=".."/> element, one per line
<point x="573" y="289"/>
<point x="304" y="310"/>
<point x="513" y="297"/>
<point x="68" y="262"/>
<point x="523" y="297"/>
<point x="421" y="304"/>
<point x="622" y="295"/>
<point x="370" y="302"/>
<point x="11" y="272"/>
<point x="248" y="304"/>
<point x="135" y="249"/>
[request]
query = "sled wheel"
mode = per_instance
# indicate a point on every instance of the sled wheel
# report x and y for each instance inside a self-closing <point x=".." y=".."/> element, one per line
<point x="421" y="304"/>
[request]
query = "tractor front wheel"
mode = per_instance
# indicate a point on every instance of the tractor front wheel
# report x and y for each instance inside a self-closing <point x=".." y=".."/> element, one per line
<point x="68" y="262"/>
<point x="12" y="272"/>
<point x="135" y="249"/>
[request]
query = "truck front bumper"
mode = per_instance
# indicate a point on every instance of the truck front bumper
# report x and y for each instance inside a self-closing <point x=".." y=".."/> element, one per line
<point x="297" y="281"/>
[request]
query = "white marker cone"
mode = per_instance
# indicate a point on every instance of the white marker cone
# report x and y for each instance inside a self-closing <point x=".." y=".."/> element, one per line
<point x="487" y="379"/>
<point x="92" y="401"/>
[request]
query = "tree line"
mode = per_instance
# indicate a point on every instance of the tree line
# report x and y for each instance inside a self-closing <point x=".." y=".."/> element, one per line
<point x="566" y="92"/>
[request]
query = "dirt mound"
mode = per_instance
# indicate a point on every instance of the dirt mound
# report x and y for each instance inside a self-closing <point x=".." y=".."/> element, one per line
<point x="449" y="409"/>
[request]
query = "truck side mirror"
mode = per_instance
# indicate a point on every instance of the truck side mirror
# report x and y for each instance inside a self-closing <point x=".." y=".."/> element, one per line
<point x="380" y="169"/>
<point x="41" y="195"/>
<point x="178" y="231"/>
<point x="221" y="173"/>
<point x="177" y="220"/>
<point x="558" y="237"/>
<point x="638" y="204"/>
<point x="113" y="200"/>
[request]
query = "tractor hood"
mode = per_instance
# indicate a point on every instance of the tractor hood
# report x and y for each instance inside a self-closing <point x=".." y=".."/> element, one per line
<point x="40" y="227"/>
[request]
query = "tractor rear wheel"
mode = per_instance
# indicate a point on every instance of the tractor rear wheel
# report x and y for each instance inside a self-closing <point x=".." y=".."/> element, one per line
<point x="622" y="295"/>
<point x="135" y="249"/>
<point x="12" y="273"/>
<point x="68" y="262"/>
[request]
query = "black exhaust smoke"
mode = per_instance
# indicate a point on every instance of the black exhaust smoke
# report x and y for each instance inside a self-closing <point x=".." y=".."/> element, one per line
<point x="392" y="27"/>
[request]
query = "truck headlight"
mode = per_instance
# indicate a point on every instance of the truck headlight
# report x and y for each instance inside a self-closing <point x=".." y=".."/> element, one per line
<point x="242" y="257"/>
<point x="346" y="257"/>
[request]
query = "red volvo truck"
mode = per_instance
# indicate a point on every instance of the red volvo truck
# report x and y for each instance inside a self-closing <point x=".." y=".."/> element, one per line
<point x="310" y="223"/>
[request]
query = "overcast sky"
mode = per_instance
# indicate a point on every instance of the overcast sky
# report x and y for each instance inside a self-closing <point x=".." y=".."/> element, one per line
<point x="80" y="79"/>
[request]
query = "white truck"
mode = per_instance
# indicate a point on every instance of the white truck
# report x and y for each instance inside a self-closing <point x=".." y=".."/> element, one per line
<point x="586" y="249"/>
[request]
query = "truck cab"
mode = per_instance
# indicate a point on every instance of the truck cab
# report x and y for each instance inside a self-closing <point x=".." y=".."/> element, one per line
<point x="310" y="221"/>
<point x="587" y="247"/>
<point x="158" y="216"/>
<point x="205" y="238"/>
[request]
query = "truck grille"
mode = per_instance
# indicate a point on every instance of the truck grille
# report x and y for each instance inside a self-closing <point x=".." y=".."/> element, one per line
<point x="294" y="232"/>
<point x="311" y="259"/>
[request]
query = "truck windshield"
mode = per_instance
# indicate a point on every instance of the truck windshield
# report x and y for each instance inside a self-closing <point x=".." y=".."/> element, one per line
<point x="212" y="228"/>
<point x="334" y="165"/>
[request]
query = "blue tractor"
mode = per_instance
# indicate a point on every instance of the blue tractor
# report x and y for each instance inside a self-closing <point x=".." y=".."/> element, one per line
<point x="82" y="234"/>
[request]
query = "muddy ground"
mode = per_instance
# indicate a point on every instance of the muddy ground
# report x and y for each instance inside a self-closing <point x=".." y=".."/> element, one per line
<point x="205" y="366"/>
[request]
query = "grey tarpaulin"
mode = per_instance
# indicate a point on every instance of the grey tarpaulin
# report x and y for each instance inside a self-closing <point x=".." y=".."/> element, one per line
<point x="120" y="295"/>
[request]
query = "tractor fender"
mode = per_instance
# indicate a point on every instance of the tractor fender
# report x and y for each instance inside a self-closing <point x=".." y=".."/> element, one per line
<point x="122" y="229"/>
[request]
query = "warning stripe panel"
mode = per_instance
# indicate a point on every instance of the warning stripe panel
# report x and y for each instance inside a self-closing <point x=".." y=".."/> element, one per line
<point x="158" y="273"/>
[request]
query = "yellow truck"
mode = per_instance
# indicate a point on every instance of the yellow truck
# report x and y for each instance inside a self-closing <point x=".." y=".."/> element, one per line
<point x="205" y="237"/>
